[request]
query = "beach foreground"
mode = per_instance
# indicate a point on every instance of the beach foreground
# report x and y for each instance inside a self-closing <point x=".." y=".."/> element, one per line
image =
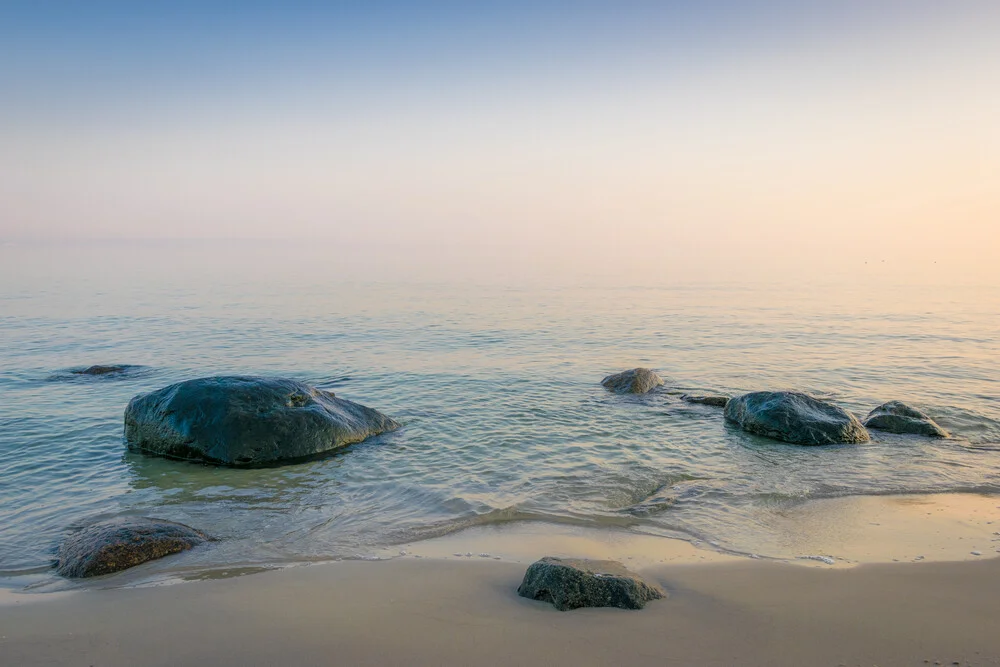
<point x="435" y="612"/>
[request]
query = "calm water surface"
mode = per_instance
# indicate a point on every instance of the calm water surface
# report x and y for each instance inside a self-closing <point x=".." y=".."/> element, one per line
<point x="498" y="389"/>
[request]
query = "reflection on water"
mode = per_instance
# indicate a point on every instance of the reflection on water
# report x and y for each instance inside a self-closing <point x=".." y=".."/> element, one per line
<point x="505" y="419"/>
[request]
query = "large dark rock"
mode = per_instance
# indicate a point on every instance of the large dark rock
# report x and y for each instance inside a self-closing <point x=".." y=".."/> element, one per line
<point x="897" y="417"/>
<point x="635" y="381"/>
<point x="246" y="421"/>
<point x="706" y="399"/>
<point x="571" y="583"/>
<point x="794" y="417"/>
<point x="118" y="544"/>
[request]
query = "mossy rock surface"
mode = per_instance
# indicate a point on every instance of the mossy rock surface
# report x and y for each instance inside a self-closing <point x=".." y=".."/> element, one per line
<point x="121" y="543"/>
<point x="571" y="583"/>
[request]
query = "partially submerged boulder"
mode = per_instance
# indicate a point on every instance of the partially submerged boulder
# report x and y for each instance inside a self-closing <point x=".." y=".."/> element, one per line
<point x="635" y="381"/>
<point x="898" y="417"/>
<point x="794" y="417"/>
<point x="571" y="583"/>
<point x="706" y="399"/>
<point x="246" y="421"/>
<point x="121" y="543"/>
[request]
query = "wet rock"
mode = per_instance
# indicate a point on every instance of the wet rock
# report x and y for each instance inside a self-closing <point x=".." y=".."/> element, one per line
<point x="794" y="417"/>
<point x="118" y="544"/>
<point x="571" y="583"/>
<point x="246" y="421"/>
<point x="897" y="417"/>
<point x="706" y="399"/>
<point x="635" y="381"/>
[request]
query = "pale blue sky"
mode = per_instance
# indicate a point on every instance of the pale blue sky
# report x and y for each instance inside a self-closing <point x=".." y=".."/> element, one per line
<point x="685" y="137"/>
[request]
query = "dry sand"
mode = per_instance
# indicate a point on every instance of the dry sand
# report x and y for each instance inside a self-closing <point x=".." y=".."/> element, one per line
<point x="465" y="611"/>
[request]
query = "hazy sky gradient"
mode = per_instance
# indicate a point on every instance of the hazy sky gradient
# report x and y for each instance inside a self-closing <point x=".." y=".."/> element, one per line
<point x="658" y="139"/>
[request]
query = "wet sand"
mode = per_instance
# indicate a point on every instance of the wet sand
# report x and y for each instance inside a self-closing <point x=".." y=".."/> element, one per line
<point x="431" y="612"/>
<point x="440" y="609"/>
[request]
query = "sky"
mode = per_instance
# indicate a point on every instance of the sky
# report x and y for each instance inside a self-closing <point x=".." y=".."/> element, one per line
<point x="650" y="140"/>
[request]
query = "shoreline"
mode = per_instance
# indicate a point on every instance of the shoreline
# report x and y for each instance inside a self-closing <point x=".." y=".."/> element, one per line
<point x="852" y="530"/>
<point x="827" y="533"/>
<point x="434" y="606"/>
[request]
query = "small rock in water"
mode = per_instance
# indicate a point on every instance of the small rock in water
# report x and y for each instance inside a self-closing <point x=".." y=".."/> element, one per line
<point x="635" y="381"/>
<point x="702" y="399"/>
<point x="976" y="553"/>
<point x="897" y="417"/>
<point x="468" y="554"/>
<point x="99" y="369"/>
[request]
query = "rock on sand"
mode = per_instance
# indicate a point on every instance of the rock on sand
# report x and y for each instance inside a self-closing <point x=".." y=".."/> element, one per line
<point x="570" y="583"/>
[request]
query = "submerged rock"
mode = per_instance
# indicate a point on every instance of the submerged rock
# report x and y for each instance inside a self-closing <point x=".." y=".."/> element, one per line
<point x="670" y="494"/>
<point x="101" y="370"/>
<point x="246" y="421"/>
<point x="571" y="583"/>
<point x="706" y="399"/>
<point x="898" y="417"/>
<point x="635" y="381"/>
<point x="794" y="417"/>
<point x="118" y="544"/>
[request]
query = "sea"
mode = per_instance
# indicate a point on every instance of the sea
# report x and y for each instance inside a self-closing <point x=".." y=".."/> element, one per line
<point x="498" y="388"/>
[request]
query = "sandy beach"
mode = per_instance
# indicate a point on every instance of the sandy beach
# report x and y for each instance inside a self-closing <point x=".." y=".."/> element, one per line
<point x="428" y="612"/>
<point x="439" y="609"/>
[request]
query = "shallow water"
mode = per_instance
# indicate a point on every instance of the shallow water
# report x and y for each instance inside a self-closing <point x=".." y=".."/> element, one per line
<point x="498" y="389"/>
